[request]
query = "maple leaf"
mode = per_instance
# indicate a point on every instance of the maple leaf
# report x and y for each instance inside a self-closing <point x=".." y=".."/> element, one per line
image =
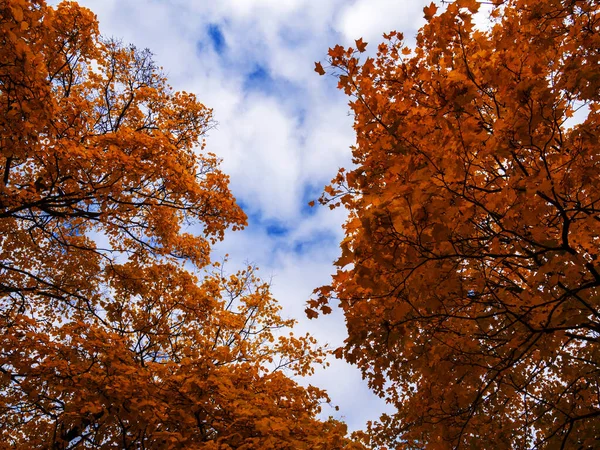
<point x="311" y="313"/>
<point x="360" y="45"/>
<point x="472" y="5"/>
<point x="326" y="309"/>
<point x="429" y="11"/>
<point x="319" y="68"/>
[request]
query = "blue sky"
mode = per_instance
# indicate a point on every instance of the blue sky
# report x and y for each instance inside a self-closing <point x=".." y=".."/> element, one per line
<point x="282" y="132"/>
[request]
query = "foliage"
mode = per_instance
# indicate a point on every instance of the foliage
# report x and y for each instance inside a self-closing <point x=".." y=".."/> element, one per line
<point x="108" y="209"/>
<point x="469" y="272"/>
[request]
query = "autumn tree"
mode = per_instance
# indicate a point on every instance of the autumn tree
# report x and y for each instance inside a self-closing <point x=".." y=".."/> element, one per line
<point x="115" y="330"/>
<point x="469" y="274"/>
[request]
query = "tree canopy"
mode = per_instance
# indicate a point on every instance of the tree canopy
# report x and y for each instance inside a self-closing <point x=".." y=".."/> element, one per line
<point x="469" y="273"/>
<point x="116" y="331"/>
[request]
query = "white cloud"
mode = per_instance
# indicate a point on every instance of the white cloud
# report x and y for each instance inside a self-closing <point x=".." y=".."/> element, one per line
<point x="262" y="147"/>
<point x="369" y="19"/>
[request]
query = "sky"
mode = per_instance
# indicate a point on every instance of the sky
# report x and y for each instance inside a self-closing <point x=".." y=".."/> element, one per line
<point x="282" y="132"/>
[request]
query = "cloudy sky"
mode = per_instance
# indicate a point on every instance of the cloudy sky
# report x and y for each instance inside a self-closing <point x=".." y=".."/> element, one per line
<point x="282" y="132"/>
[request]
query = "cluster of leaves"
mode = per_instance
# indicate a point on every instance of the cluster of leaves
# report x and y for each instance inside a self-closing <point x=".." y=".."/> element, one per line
<point x="108" y="339"/>
<point x="469" y="273"/>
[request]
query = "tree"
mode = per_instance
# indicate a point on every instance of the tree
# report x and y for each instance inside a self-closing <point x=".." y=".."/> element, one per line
<point x="469" y="272"/>
<point x="115" y="329"/>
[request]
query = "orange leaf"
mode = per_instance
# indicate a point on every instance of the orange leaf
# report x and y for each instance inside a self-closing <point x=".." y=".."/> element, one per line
<point x="360" y="45"/>
<point x="429" y="11"/>
<point x="311" y="313"/>
<point x="319" y="68"/>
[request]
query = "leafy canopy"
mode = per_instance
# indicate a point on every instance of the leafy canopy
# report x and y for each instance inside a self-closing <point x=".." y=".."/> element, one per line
<point x="109" y="204"/>
<point x="469" y="273"/>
